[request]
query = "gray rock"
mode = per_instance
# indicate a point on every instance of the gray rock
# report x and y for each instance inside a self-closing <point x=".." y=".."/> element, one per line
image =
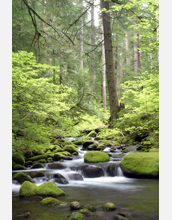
<point x="91" y="171"/>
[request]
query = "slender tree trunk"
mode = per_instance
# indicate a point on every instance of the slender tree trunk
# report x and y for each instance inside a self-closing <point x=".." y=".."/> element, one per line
<point x="141" y="54"/>
<point x="93" y="66"/>
<point x="127" y="48"/>
<point x="81" y="49"/>
<point x="110" y="70"/>
<point x="136" y="53"/>
<point x="103" y="72"/>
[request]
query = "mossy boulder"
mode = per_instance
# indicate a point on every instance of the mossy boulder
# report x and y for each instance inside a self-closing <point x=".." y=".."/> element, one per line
<point x="66" y="153"/>
<point x="92" y="147"/>
<point x="49" y="201"/>
<point x="18" y="167"/>
<point x="71" y="149"/>
<point x="109" y="206"/>
<point x="37" y="165"/>
<point x="92" y="134"/>
<point x="58" y="156"/>
<point x="78" y="142"/>
<point x="28" y="163"/>
<point x="42" y="161"/>
<point x="76" y="216"/>
<point x="95" y="156"/>
<point x="21" y="177"/>
<point x="49" y="159"/>
<point x="36" y="158"/>
<point x="28" y="189"/>
<point x="49" y="189"/>
<point x="154" y="150"/>
<point x="141" y="164"/>
<point x="58" y="149"/>
<point x="86" y="144"/>
<point x="18" y="158"/>
<point x="28" y="153"/>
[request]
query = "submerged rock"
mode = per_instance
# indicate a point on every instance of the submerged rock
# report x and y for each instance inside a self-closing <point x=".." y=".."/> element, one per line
<point x="119" y="217"/>
<point x="36" y="174"/>
<point x="109" y="206"/>
<point x="75" y="205"/>
<point x="76" y="216"/>
<point x="49" y="201"/>
<point x="60" y="178"/>
<point x="91" y="171"/>
<point x="112" y="170"/>
<point x="75" y="176"/>
<point x="26" y="215"/>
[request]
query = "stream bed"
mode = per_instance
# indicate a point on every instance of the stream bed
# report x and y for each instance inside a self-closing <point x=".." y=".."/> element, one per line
<point x="138" y="198"/>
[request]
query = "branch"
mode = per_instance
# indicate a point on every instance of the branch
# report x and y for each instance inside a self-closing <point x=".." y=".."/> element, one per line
<point x="94" y="48"/>
<point x="54" y="28"/>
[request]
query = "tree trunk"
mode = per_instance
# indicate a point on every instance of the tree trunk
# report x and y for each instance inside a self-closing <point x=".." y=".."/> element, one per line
<point x="127" y="48"/>
<point x="103" y="72"/>
<point x="110" y="70"/>
<point x="93" y="67"/>
<point x="81" y="49"/>
<point x="136" y="53"/>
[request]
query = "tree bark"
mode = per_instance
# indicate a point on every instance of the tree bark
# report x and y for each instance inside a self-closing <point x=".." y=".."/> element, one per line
<point x="127" y="48"/>
<point x="103" y="72"/>
<point x="81" y="49"/>
<point x="110" y="70"/>
<point x="93" y="66"/>
<point x="136" y="53"/>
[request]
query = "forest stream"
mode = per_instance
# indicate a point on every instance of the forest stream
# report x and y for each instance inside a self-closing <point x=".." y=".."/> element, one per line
<point x="138" y="198"/>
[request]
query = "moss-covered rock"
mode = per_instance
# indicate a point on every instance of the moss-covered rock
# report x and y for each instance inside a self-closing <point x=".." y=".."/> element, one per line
<point x="18" y="158"/>
<point x="58" y="156"/>
<point x="92" y="147"/>
<point x="28" y="189"/>
<point x="84" y="211"/>
<point x="92" y="134"/>
<point x="18" y="167"/>
<point x="21" y="177"/>
<point x="49" y="189"/>
<point x="116" y="143"/>
<point x="78" y="142"/>
<point x="49" y="159"/>
<point x="28" y="153"/>
<point x="66" y="153"/>
<point x="76" y="216"/>
<point x="95" y="156"/>
<point x="42" y="161"/>
<point x="36" y="158"/>
<point x="109" y="206"/>
<point x="37" y="165"/>
<point x="71" y="149"/>
<point x="49" y="201"/>
<point x="141" y="164"/>
<point x="154" y="150"/>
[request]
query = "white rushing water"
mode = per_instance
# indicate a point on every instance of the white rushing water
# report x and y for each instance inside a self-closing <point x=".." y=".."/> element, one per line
<point x="72" y="167"/>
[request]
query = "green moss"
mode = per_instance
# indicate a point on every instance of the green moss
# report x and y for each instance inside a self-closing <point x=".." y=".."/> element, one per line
<point x="49" y="189"/>
<point x="109" y="206"/>
<point x="154" y="150"/>
<point x="142" y="163"/>
<point x="42" y="161"/>
<point x="70" y="148"/>
<point x="66" y="153"/>
<point x="95" y="156"/>
<point x="92" y="147"/>
<point x="28" y="189"/>
<point x="36" y="158"/>
<point x="50" y="159"/>
<point x="76" y="216"/>
<point x="58" y="149"/>
<point x="18" y="167"/>
<point x="28" y="153"/>
<point x="78" y="142"/>
<point x="84" y="211"/>
<point x="28" y="162"/>
<point x="18" y="158"/>
<point x="92" y="134"/>
<point x="58" y="156"/>
<point x="49" y="201"/>
<point x="37" y="165"/>
<point x="116" y="143"/>
<point x="21" y="177"/>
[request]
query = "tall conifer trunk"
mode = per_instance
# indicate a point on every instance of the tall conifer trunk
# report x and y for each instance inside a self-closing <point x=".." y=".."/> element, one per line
<point x="103" y="72"/>
<point x="110" y="70"/>
<point x="136" y="53"/>
<point x="93" y="66"/>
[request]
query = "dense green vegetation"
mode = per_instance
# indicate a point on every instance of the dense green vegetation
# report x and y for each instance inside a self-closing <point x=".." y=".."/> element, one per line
<point x="53" y="91"/>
